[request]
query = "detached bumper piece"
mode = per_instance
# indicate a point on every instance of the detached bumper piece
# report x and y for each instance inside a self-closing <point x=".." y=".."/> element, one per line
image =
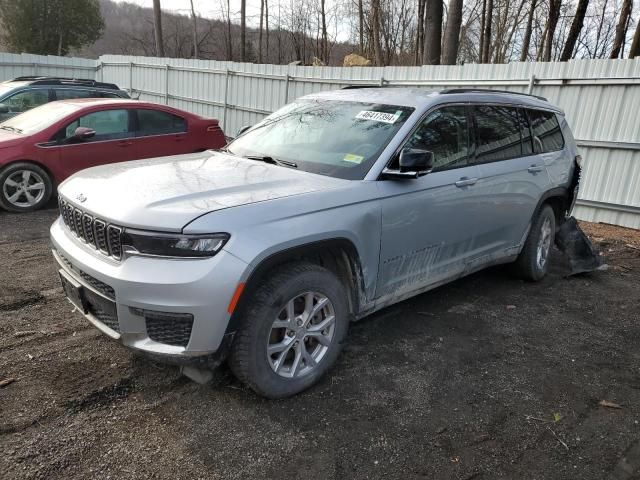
<point x="573" y="242"/>
<point x="167" y="327"/>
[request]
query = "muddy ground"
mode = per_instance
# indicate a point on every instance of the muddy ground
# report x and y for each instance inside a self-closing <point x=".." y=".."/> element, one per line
<point x="486" y="378"/>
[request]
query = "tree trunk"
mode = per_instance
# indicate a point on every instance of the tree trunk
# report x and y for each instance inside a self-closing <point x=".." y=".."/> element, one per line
<point x="325" y="42"/>
<point x="260" y="31"/>
<point x="195" y="31"/>
<point x="433" y="32"/>
<point x="574" y="32"/>
<point x="229" y="42"/>
<point x="361" y="24"/>
<point x="266" y="26"/>
<point x="157" y="28"/>
<point x="452" y="33"/>
<point x="483" y="22"/>
<point x="486" y="47"/>
<point x="635" y="44"/>
<point x="552" y="23"/>
<point x="527" y="33"/>
<point x="419" y="33"/>
<point x="375" y="30"/>
<point x="243" y="30"/>
<point x="621" y="28"/>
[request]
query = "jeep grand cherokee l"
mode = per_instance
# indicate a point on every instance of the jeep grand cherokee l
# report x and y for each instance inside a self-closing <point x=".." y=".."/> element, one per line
<point x="331" y="208"/>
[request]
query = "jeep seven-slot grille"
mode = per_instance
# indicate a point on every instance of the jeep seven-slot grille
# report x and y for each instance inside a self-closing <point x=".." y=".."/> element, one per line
<point x="93" y="231"/>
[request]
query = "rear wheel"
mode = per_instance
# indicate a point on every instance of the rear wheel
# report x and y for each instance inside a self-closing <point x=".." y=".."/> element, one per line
<point x="533" y="262"/>
<point x="292" y="332"/>
<point x="24" y="187"/>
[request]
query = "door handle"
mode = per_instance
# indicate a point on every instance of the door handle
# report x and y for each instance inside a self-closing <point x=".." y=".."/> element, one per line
<point x="465" y="182"/>
<point x="535" y="168"/>
<point x="124" y="144"/>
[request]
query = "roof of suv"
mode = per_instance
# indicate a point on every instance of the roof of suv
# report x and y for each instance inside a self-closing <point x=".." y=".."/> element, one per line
<point x="419" y="98"/>
<point x="60" y="81"/>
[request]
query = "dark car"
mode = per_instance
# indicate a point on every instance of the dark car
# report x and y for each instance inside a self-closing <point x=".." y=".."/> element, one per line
<point x="24" y="93"/>
<point x="42" y="147"/>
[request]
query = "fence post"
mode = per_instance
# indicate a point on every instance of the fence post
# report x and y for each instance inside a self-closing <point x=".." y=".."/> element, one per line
<point x="382" y="80"/>
<point x="100" y="67"/>
<point x="131" y="78"/>
<point x="35" y="69"/>
<point x="286" y="89"/>
<point x="226" y="98"/>
<point x="532" y="83"/>
<point x="166" y="84"/>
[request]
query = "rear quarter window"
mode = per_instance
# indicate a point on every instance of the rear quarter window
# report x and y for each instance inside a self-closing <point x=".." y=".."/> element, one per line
<point x="546" y="132"/>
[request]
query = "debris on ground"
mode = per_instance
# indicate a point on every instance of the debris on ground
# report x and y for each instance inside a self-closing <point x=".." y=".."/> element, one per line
<point x="608" y="404"/>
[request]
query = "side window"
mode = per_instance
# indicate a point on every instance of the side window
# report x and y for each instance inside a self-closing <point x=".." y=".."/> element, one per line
<point x="445" y="132"/>
<point x="108" y="124"/>
<point x="497" y="133"/>
<point x="67" y="93"/>
<point x="155" y="122"/>
<point x="547" y="136"/>
<point x="26" y="100"/>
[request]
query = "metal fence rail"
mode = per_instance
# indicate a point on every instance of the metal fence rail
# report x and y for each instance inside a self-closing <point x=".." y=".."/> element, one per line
<point x="600" y="97"/>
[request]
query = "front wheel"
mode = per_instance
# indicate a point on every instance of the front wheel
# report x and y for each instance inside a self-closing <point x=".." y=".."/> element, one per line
<point x="292" y="332"/>
<point x="24" y="187"/>
<point x="533" y="262"/>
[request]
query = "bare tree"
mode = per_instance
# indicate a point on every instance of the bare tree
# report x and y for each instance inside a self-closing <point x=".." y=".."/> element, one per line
<point x="486" y="45"/>
<point x="574" y="32"/>
<point x="260" y="31"/>
<point x="621" y="28"/>
<point x="483" y="21"/>
<point x="195" y="31"/>
<point x="552" y="23"/>
<point x="452" y="32"/>
<point x="420" y="32"/>
<point x="433" y="32"/>
<point x="243" y="30"/>
<point x="635" y="44"/>
<point x="361" y="26"/>
<point x="324" y="47"/>
<point x="375" y="30"/>
<point x="157" y="28"/>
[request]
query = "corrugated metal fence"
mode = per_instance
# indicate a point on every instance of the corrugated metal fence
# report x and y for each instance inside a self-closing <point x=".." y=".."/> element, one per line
<point x="600" y="97"/>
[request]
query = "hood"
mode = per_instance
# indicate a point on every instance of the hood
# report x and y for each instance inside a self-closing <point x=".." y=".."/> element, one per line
<point x="167" y="193"/>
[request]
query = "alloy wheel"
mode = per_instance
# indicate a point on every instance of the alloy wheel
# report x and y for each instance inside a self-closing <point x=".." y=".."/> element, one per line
<point x="544" y="244"/>
<point x="23" y="188"/>
<point x="301" y="335"/>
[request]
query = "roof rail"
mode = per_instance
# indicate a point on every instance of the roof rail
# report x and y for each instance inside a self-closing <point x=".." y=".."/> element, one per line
<point x="368" y="85"/>
<point x="40" y="80"/>
<point x="488" y="90"/>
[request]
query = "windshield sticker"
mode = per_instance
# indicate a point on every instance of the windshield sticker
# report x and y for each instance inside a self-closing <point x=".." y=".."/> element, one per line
<point x="350" y="157"/>
<point x="378" y="116"/>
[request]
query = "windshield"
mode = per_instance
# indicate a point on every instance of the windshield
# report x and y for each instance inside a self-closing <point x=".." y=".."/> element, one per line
<point x="330" y="137"/>
<point x="38" y="118"/>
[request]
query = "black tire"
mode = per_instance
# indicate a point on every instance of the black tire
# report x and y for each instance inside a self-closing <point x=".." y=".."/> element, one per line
<point x="248" y="359"/>
<point x="6" y="190"/>
<point x="527" y="265"/>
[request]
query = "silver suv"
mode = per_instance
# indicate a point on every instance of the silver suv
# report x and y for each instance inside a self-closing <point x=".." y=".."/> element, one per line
<point x="335" y="206"/>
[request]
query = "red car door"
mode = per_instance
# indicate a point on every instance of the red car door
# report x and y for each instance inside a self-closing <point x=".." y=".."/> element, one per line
<point x="112" y="142"/>
<point x="160" y="133"/>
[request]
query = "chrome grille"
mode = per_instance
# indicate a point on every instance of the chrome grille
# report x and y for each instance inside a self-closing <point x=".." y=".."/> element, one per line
<point x="93" y="231"/>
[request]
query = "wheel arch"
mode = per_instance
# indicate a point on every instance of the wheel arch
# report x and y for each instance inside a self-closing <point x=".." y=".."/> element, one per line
<point x="339" y="255"/>
<point x="47" y="170"/>
<point x="559" y="200"/>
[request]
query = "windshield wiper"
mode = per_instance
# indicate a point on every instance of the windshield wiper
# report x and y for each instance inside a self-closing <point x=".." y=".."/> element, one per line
<point x="11" y="129"/>
<point x="274" y="161"/>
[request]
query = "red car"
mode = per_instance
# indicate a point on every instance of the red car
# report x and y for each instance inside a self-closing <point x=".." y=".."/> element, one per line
<point x="43" y="146"/>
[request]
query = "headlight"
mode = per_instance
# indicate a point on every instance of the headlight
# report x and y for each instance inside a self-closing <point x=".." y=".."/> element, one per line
<point x="173" y="245"/>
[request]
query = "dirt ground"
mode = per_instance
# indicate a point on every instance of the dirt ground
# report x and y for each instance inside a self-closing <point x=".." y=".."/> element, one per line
<point x="486" y="378"/>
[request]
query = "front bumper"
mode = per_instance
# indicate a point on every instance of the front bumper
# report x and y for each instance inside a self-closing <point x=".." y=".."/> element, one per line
<point x="122" y="292"/>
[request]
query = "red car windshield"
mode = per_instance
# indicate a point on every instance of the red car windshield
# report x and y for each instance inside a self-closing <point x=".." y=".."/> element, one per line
<point x="38" y="118"/>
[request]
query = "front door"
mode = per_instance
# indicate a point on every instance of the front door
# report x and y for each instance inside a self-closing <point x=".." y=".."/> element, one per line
<point x="112" y="142"/>
<point x="428" y="233"/>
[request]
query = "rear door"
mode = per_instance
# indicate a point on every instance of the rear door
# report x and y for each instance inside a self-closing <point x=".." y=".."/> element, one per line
<point x="512" y="178"/>
<point x="113" y="141"/>
<point x="160" y="133"/>
<point x="428" y="223"/>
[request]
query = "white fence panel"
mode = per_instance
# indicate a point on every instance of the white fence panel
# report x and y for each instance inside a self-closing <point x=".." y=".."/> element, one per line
<point x="601" y="99"/>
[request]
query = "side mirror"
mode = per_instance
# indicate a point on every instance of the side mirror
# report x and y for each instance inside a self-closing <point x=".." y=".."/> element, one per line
<point x="243" y="129"/>
<point x="4" y="108"/>
<point x="83" y="133"/>
<point x="413" y="163"/>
